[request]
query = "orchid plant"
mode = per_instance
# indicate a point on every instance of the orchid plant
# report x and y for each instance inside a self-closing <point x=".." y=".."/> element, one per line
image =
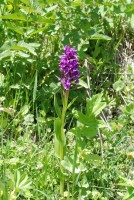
<point x="69" y="74"/>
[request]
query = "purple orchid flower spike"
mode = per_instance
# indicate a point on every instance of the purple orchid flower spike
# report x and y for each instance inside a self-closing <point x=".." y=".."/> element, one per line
<point x="69" y="67"/>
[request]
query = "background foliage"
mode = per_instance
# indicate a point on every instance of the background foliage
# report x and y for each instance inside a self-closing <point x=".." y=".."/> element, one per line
<point x="33" y="34"/>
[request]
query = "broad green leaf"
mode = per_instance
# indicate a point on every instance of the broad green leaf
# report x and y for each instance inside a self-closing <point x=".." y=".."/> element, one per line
<point x="98" y="36"/>
<point x="118" y="85"/>
<point x="56" y="106"/>
<point x="57" y="144"/>
<point x="94" y="106"/>
<point x="85" y="119"/>
<point x="98" y="107"/>
<point x="88" y="131"/>
<point x="59" y="140"/>
<point x="57" y="129"/>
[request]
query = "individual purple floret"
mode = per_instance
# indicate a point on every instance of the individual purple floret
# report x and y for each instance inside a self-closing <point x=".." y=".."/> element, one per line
<point x="69" y="67"/>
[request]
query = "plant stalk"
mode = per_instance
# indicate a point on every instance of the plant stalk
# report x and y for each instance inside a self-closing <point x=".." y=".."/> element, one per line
<point x="63" y="143"/>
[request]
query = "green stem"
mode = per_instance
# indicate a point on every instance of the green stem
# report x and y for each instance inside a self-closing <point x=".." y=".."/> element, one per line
<point x="62" y="144"/>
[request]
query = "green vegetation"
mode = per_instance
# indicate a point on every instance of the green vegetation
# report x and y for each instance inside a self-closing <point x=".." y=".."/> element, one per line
<point x="99" y="121"/>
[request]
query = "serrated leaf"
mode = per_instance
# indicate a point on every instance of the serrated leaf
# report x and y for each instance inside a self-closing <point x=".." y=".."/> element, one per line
<point x="94" y="106"/>
<point x="98" y="108"/>
<point x="85" y="119"/>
